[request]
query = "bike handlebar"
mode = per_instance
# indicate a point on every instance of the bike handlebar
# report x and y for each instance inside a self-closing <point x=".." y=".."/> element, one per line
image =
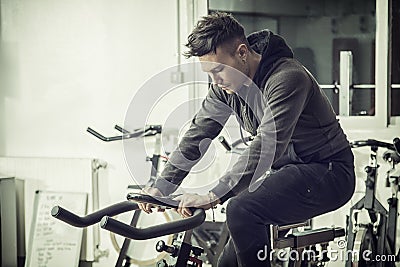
<point x="148" y="131"/>
<point x="375" y="143"/>
<point x="176" y="226"/>
<point x="168" y="228"/>
<point x="93" y="218"/>
<point x="104" y="217"/>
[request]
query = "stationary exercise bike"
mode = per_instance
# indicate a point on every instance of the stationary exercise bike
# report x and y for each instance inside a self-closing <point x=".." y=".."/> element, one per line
<point x="181" y="252"/>
<point x="372" y="241"/>
<point x="125" y="259"/>
<point x="127" y="251"/>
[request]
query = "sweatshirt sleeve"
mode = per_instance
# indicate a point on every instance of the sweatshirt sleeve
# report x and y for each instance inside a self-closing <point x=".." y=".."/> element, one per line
<point x="205" y="126"/>
<point x="285" y="97"/>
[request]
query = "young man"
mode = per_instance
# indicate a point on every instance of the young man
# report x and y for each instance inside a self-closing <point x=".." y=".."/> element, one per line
<point x="297" y="139"/>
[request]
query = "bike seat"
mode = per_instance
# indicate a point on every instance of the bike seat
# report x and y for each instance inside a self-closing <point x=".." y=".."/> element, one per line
<point x="303" y="238"/>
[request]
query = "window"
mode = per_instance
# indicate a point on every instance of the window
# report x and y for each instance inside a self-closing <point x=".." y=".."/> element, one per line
<point x="317" y="31"/>
<point x="395" y="59"/>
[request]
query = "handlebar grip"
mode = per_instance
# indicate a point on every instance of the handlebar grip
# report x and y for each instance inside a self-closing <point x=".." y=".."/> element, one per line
<point x="396" y="143"/>
<point x="95" y="217"/>
<point x="120" y="137"/>
<point x="122" y="130"/>
<point x="102" y="137"/>
<point x="168" y="228"/>
<point x="224" y="143"/>
<point x="98" y="135"/>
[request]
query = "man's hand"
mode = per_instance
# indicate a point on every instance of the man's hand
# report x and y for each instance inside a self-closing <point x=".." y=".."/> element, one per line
<point x="187" y="201"/>
<point x="147" y="207"/>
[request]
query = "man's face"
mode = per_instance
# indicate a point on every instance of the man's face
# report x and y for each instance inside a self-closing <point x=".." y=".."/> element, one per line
<point x="226" y="70"/>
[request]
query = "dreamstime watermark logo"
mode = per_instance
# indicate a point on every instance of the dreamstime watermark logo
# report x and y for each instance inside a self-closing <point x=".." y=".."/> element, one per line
<point x="164" y="100"/>
<point x="340" y="254"/>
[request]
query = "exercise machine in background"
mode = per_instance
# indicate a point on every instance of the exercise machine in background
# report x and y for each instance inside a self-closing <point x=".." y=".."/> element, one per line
<point x="125" y="259"/>
<point x="372" y="228"/>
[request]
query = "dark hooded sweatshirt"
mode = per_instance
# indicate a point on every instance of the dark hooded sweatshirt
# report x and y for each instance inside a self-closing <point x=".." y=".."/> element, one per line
<point x="285" y="110"/>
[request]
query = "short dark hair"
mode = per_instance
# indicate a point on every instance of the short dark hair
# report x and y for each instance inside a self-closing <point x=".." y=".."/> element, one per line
<point x="212" y="31"/>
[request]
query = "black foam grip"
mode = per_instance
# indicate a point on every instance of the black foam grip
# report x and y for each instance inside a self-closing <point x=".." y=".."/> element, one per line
<point x="95" y="217"/>
<point x="168" y="228"/>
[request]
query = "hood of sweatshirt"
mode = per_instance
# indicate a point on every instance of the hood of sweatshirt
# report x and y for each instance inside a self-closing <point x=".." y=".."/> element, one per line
<point x="271" y="47"/>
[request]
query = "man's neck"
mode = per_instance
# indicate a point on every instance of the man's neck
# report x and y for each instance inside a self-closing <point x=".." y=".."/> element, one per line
<point x="254" y="61"/>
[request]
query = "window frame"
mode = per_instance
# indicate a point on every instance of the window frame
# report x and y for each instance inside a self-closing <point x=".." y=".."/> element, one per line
<point x="381" y="119"/>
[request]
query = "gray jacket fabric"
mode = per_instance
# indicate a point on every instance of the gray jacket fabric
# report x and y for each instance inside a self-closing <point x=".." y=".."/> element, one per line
<point x="285" y="110"/>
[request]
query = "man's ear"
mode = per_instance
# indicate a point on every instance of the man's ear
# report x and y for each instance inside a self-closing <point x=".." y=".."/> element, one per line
<point x="242" y="51"/>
